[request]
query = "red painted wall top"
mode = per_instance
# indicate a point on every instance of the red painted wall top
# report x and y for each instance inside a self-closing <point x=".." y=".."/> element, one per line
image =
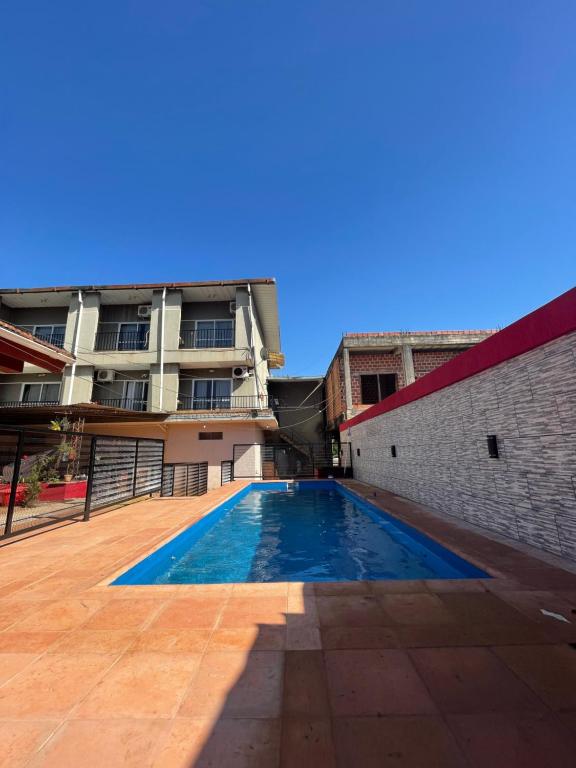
<point x="555" y="319"/>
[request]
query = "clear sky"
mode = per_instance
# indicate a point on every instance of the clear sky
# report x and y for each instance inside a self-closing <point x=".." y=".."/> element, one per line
<point x="395" y="164"/>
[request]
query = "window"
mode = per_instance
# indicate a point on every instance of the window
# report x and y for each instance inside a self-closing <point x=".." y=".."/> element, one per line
<point x="133" y="336"/>
<point x="53" y="334"/>
<point x="40" y="393"/>
<point x="122" y="336"/>
<point x="214" y="333"/>
<point x="210" y="435"/>
<point x="210" y="394"/>
<point x="375" y="387"/>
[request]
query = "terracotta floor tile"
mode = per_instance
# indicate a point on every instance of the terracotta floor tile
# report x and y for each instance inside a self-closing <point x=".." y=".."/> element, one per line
<point x="236" y="684"/>
<point x="190" y="613"/>
<point x="342" y="638"/>
<point x="247" y="612"/>
<point x="398" y="587"/>
<point x="470" y="680"/>
<point x="13" y="611"/>
<point x="416" y="609"/>
<point x="272" y="589"/>
<point x="307" y="743"/>
<point x="226" y="743"/>
<point x="374" y="683"/>
<point x="12" y="663"/>
<point x="52" y="685"/>
<point x="550" y="670"/>
<point x="27" y="642"/>
<point x="141" y="685"/>
<point x="305" y="685"/>
<point x="455" y="585"/>
<point x="97" y="743"/>
<point x="342" y="588"/>
<point x="304" y="638"/>
<point x="20" y="740"/>
<point x="509" y="740"/>
<point x="94" y="641"/>
<point x="124" y="614"/>
<point x="171" y="640"/>
<point x="394" y="742"/>
<point x="482" y="609"/>
<point x="63" y="614"/>
<point x="439" y="636"/>
<point x="258" y="638"/>
<point x="531" y="604"/>
<point x="351" y="611"/>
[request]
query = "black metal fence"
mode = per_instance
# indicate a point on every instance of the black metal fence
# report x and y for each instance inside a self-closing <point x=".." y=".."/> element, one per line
<point x="181" y="479"/>
<point x="285" y="461"/>
<point x="121" y="341"/>
<point x="225" y="403"/>
<point x="206" y="338"/>
<point x="47" y="476"/>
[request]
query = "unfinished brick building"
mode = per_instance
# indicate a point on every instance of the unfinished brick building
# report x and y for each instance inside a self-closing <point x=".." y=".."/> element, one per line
<point x="368" y="367"/>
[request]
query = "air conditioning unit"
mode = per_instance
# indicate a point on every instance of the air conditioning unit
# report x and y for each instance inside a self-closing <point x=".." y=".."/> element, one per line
<point x="240" y="372"/>
<point x="105" y="375"/>
<point x="144" y="310"/>
<point x="232" y="308"/>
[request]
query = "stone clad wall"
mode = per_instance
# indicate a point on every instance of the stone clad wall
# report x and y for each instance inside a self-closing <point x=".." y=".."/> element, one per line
<point x="529" y="493"/>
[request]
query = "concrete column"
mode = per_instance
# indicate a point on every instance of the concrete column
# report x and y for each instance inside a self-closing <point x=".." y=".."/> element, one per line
<point x="347" y="381"/>
<point x="408" y="364"/>
<point x="171" y="382"/>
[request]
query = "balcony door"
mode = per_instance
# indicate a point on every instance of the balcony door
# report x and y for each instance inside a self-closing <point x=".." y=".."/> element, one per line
<point x="133" y="336"/>
<point x="214" y="333"/>
<point x="41" y="393"/>
<point x="210" y="394"/>
<point x="135" y="395"/>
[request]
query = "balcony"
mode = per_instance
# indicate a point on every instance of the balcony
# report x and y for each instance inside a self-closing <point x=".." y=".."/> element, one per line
<point x="121" y="341"/>
<point x="51" y="334"/>
<point x="128" y="403"/>
<point x="212" y="338"/>
<point x="27" y="403"/>
<point x="231" y="403"/>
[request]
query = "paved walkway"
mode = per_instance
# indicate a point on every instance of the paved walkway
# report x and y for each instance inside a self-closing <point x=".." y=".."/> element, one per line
<point x="433" y="674"/>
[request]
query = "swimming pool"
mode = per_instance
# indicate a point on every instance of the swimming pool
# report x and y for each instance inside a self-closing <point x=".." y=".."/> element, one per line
<point x="303" y="531"/>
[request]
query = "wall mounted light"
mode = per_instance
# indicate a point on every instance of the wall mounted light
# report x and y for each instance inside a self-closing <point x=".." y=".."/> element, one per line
<point x="357" y="451"/>
<point x="393" y="451"/>
<point x="492" y="441"/>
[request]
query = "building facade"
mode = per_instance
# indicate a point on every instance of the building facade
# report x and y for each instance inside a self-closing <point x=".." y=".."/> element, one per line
<point x="368" y="367"/>
<point x="199" y="353"/>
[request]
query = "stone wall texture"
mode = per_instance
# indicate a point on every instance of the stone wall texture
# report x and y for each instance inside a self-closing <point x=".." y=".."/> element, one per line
<point x="529" y="492"/>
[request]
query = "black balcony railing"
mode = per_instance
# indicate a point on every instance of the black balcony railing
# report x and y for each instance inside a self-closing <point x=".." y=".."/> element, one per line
<point x="56" y="339"/>
<point x="129" y="403"/>
<point x="27" y="403"/>
<point x="186" y="403"/>
<point x="121" y="341"/>
<point x="207" y="339"/>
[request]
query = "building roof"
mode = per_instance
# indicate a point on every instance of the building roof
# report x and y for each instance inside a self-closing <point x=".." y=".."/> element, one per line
<point x="18" y="347"/>
<point x="263" y="292"/>
<point x="90" y="412"/>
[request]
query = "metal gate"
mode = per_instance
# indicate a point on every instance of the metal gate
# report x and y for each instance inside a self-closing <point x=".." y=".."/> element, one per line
<point x="226" y="472"/>
<point x="185" y="479"/>
<point x="123" y="468"/>
<point x="285" y="461"/>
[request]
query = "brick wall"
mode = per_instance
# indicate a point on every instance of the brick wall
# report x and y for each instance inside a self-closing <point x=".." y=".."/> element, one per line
<point x="529" y="493"/>
<point x="426" y="360"/>
<point x="373" y="362"/>
<point x="335" y="398"/>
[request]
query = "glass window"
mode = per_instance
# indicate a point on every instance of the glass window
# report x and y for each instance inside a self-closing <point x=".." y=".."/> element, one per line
<point x="31" y="393"/>
<point x="210" y="394"/>
<point x="214" y="333"/>
<point x="133" y="336"/>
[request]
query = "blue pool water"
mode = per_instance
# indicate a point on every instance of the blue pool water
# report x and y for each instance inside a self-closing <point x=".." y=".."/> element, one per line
<point x="307" y="531"/>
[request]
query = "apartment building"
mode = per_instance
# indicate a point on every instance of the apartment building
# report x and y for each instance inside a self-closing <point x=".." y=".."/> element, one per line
<point x="368" y="367"/>
<point x="196" y="354"/>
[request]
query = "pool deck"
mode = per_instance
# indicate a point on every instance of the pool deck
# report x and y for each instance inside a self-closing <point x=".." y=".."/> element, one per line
<point x="410" y="674"/>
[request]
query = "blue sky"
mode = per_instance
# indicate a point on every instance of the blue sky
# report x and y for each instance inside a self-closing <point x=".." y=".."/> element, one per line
<point x="395" y="165"/>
